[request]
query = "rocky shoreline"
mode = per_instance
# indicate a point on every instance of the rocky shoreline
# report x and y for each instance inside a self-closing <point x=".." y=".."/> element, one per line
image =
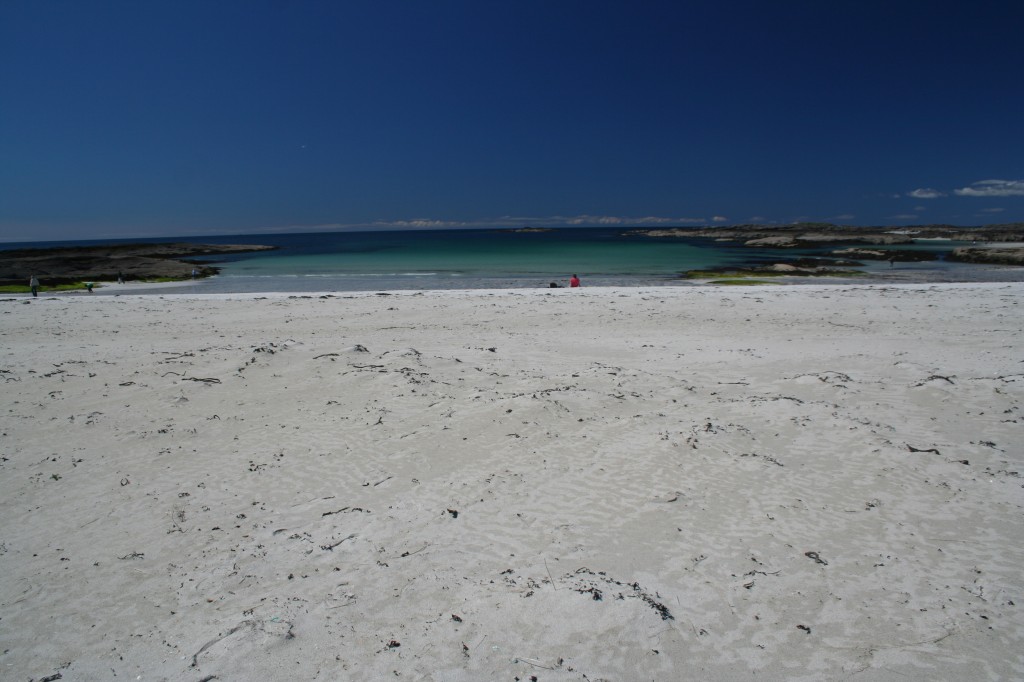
<point x="810" y="234"/>
<point x="998" y="245"/>
<point x="108" y="263"/>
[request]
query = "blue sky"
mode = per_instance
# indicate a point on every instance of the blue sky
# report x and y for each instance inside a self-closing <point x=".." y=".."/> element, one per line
<point x="179" y="118"/>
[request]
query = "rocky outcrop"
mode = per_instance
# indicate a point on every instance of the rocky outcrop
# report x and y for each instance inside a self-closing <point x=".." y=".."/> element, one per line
<point x="104" y="263"/>
<point x="814" y="234"/>
<point x="815" y="238"/>
<point x="992" y="255"/>
<point x="897" y="255"/>
<point x="780" y="242"/>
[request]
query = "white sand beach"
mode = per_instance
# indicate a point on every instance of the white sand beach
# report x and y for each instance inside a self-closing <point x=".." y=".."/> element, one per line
<point x="772" y="483"/>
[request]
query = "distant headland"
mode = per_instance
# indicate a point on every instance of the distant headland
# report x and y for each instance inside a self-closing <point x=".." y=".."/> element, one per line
<point x="107" y="263"/>
<point x="1009" y="237"/>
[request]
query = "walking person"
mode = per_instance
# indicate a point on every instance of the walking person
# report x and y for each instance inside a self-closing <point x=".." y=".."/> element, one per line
<point x="33" y="284"/>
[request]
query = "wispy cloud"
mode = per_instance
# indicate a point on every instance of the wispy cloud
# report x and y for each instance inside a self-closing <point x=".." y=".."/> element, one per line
<point x="720" y="219"/>
<point x="844" y="216"/>
<point x="500" y="222"/>
<point x="992" y="210"/>
<point x="903" y="216"/>
<point x="421" y="224"/>
<point x="616" y="220"/>
<point x="993" y="188"/>
<point x="926" y="193"/>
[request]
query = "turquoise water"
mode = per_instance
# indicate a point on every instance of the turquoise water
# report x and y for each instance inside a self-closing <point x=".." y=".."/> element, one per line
<point x="466" y="259"/>
<point x="475" y="259"/>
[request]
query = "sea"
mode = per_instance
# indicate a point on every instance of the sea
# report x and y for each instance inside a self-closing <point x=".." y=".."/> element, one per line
<point x="481" y="259"/>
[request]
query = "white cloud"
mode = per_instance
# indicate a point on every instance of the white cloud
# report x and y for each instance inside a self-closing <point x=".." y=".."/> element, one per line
<point x="501" y="222"/>
<point x="720" y="219"/>
<point x="421" y="224"/>
<point x="992" y="210"/>
<point x="993" y="188"/>
<point x="926" y="193"/>
<point x="903" y="216"/>
<point x="618" y="220"/>
<point x="598" y="220"/>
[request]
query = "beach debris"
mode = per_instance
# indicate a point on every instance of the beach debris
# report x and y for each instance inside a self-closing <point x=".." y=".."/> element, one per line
<point x="52" y="678"/>
<point x="913" y="449"/>
<point x="638" y="591"/>
<point x="935" y="377"/>
<point x="454" y="513"/>
<point x="405" y="554"/>
<point x="202" y="649"/>
<point x="394" y="644"/>
<point x="817" y="559"/>
<point x="457" y="619"/>
<point x="205" y="380"/>
<point x="767" y="458"/>
<point x="804" y="628"/>
<point x="330" y="547"/>
<point x="124" y="482"/>
<point x="346" y="510"/>
<point x="535" y="663"/>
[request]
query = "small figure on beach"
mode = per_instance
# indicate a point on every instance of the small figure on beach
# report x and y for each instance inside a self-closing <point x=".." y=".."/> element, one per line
<point x="574" y="281"/>
<point x="33" y="284"/>
<point x="120" y="277"/>
<point x="892" y="259"/>
<point x="554" y="285"/>
<point x="88" y="286"/>
<point x="195" y="273"/>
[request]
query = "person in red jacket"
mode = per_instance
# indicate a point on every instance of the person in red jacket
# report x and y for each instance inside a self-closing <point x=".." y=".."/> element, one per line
<point x="574" y="281"/>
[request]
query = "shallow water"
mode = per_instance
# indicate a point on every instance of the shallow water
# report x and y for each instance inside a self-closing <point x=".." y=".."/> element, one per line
<point x="500" y="259"/>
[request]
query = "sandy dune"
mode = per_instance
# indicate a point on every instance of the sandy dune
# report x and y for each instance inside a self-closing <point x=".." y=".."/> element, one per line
<point x="816" y="482"/>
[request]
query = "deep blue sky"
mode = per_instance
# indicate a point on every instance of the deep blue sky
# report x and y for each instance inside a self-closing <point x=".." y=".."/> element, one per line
<point x="182" y="118"/>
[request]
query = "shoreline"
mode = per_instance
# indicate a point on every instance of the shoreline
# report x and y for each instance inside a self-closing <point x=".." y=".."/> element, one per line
<point x="814" y="284"/>
<point x="478" y="269"/>
<point x="922" y="273"/>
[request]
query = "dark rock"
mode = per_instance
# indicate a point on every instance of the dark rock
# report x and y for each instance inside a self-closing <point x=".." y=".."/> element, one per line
<point x="897" y="255"/>
<point x="993" y="255"/>
<point x="103" y="263"/>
